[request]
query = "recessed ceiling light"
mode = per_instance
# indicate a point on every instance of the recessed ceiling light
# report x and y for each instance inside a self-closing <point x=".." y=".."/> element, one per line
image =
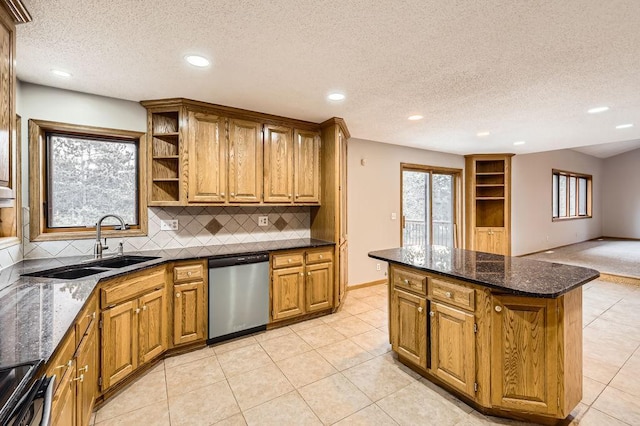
<point x="519" y="143"/>
<point x="415" y="117"/>
<point x="61" y="73"/>
<point x="598" y="109"/>
<point x="336" y="97"/>
<point x="197" y="61"/>
<point x="624" y="126"/>
<point x="482" y="134"/>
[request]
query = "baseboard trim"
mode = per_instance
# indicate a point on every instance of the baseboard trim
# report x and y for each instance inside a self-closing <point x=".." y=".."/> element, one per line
<point x="369" y="284"/>
<point x="620" y="279"/>
<point x="559" y="247"/>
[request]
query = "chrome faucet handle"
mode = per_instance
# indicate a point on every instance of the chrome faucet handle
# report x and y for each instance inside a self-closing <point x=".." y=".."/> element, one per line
<point x="120" y="248"/>
<point x="105" y="246"/>
<point x="121" y="228"/>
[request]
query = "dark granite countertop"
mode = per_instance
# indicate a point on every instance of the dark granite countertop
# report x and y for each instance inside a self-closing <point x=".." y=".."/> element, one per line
<point x="508" y="274"/>
<point x="35" y="313"/>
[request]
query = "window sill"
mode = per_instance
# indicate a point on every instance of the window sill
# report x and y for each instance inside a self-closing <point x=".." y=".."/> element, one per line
<point x="88" y="235"/>
<point x="6" y="242"/>
<point x="564" y="219"/>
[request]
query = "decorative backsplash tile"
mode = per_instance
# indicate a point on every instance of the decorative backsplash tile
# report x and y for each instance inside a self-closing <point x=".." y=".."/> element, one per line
<point x="197" y="226"/>
<point x="10" y="255"/>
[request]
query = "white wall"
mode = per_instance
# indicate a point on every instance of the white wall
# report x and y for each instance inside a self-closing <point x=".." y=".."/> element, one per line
<point x="374" y="193"/>
<point x="621" y="195"/>
<point x="532" y="228"/>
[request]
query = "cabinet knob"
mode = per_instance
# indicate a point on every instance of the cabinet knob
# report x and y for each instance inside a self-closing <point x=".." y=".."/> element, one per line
<point x="289" y="260"/>
<point x="222" y="194"/>
<point x="406" y="282"/>
<point x="189" y="273"/>
<point x="137" y="310"/>
<point x="309" y="273"/>
<point x="498" y="308"/>
<point x="233" y="194"/>
<point x="297" y="195"/>
<point x="144" y="307"/>
<point x="448" y="294"/>
<point x="321" y="256"/>
<point x="420" y="309"/>
<point x="178" y="294"/>
<point x="301" y="274"/>
<point x="432" y="314"/>
<point x="289" y="195"/>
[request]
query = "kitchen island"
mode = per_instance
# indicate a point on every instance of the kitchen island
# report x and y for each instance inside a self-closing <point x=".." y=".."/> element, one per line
<point x="502" y="333"/>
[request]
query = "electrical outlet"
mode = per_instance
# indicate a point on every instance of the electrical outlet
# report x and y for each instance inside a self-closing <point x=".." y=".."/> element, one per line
<point x="393" y="216"/>
<point x="169" y="225"/>
<point x="263" y="220"/>
<point x="377" y="266"/>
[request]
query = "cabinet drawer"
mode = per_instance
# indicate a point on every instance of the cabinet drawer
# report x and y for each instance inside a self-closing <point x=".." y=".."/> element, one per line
<point x="410" y="280"/>
<point x="131" y="287"/>
<point x="88" y="315"/>
<point x="188" y="273"/>
<point x="452" y="293"/>
<point x="320" y="256"/>
<point x="62" y="363"/>
<point x="287" y="259"/>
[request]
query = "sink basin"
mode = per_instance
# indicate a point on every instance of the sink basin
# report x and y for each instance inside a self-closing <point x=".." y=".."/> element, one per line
<point x="69" y="273"/>
<point x="121" y="261"/>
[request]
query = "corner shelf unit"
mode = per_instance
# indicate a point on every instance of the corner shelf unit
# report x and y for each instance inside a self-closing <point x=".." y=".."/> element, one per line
<point x="165" y="152"/>
<point x="488" y="204"/>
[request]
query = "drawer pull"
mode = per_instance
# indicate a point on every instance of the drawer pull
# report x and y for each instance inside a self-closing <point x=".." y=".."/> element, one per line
<point x="448" y="294"/>
<point x="498" y="308"/>
<point x="321" y="256"/>
<point x="289" y="261"/>
<point x="79" y="379"/>
<point x="84" y="369"/>
<point x="406" y="282"/>
<point x="67" y="365"/>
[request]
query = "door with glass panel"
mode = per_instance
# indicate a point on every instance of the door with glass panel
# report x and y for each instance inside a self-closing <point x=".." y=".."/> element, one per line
<point x="429" y="213"/>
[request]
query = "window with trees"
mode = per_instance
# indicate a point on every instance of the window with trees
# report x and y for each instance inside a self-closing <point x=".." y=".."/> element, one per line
<point x="81" y="173"/>
<point x="572" y="195"/>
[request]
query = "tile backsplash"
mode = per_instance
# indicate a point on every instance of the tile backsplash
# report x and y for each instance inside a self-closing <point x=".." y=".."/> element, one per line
<point x="197" y="226"/>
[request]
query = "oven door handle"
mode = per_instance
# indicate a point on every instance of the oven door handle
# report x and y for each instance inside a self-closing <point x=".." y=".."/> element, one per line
<point x="48" y="401"/>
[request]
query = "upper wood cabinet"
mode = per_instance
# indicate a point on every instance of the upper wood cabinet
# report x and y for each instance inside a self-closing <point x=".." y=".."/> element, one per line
<point x="306" y="154"/>
<point x="207" y="158"/>
<point x="278" y="164"/>
<point x="203" y="154"/>
<point x="245" y="161"/>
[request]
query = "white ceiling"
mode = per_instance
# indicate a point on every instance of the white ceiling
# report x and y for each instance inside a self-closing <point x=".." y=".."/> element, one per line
<point x="523" y="70"/>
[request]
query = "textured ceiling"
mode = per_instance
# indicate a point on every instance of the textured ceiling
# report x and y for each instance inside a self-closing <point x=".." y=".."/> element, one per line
<point x="522" y="70"/>
<point x="607" y="150"/>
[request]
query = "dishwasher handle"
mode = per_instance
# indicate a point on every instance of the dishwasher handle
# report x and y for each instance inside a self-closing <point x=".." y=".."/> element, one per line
<point x="238" y="260"/>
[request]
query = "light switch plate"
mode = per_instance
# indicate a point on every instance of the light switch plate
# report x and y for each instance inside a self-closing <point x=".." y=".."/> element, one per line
<point x="393" y="216"/>
<point x="169" y="225"/>
<point x="263" y="220"/>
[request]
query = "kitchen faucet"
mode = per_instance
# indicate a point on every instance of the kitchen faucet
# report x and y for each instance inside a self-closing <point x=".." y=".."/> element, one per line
<point x="98" y="247"/>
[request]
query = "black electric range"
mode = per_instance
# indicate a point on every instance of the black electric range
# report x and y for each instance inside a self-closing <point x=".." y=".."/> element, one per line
<point x="25" y="397"/>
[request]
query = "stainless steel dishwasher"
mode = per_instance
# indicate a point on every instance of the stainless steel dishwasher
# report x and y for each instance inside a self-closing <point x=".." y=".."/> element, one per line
<point x="238" y="296"/>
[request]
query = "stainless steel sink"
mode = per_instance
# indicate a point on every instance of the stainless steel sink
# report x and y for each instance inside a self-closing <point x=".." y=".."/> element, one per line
<point x="72" y="272"/>
<point x="121" y="261"/>
<point x="69" y="273"/>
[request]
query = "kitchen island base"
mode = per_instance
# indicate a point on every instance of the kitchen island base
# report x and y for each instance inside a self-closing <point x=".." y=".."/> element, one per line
<point x="514" y="354"/>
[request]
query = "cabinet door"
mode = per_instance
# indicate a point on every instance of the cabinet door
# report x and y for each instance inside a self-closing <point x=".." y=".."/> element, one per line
<point x="207" y="158"/>
<point x="188" y="312"/>
<point x="278" y="164"/>
<point x="7" y="93"/>
<point x="319" y="287"/>
<point x="524" y="349"/>
<point x="453" y="347"/>
<point x="119" y="342"/>
<point x="245" y="161"/>
<point x="63" y="409"/>
<point x="152" y="325"/>
<point x="343" y="187"/>
<point x="409" y="327"/>
<point x="498" y="242"/>
<point x="306" y="167"/>
<point x="287" y="292"/>
<point x="87" y="373"/>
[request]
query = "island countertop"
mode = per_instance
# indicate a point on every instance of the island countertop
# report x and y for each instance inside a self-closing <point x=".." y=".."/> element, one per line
<point x="504" y="273"/>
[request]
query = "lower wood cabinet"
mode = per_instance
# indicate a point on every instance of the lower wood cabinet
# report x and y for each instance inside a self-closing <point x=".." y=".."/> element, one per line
<point x="453" y="347"/>
<point x="76" y="367"/>
<point x="133" y="331"/>
<point x="408" y="327"/>
<point x="189" y="303"/>
<point x="302" y="282"/>
<point x="524" y="356"/>
<point x="491" y="240"/>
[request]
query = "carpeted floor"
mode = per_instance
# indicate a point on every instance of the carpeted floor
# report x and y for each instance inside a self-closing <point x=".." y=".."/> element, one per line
<point x="610" y="256"/>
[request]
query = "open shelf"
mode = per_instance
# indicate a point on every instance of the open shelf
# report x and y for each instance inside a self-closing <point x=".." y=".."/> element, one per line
<point x="490" y="212"/>
<point x="165" y="123"/>
<point x="165" y="157"/>
<point x="489" y="167"/>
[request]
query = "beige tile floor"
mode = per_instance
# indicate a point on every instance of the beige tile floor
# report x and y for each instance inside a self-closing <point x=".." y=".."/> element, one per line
<point x="339" y="370"/>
